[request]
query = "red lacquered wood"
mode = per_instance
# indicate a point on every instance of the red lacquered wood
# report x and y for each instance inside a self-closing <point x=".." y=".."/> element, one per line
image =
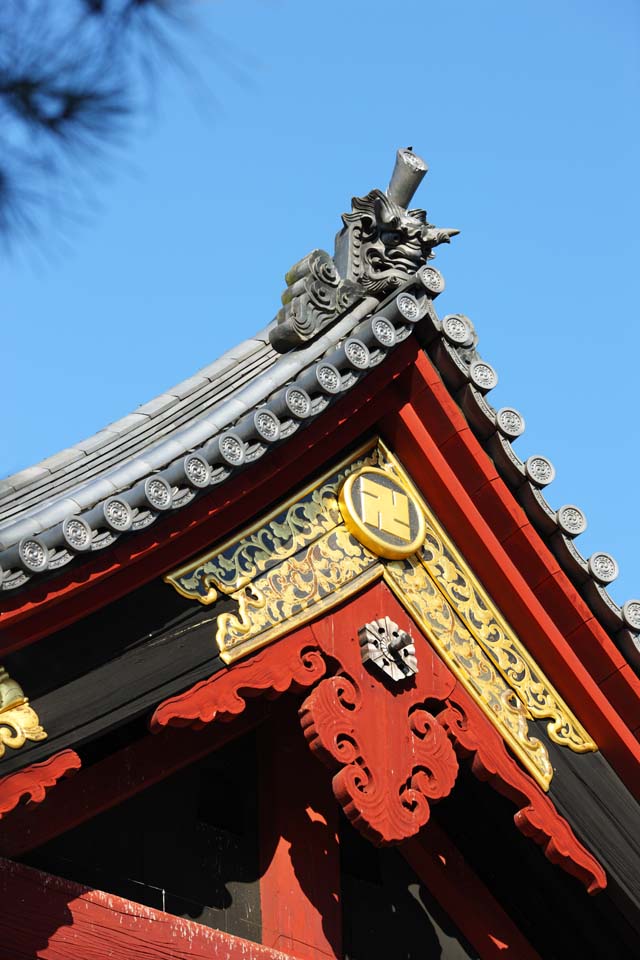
<point x="49" y="918"/>
<point x="536" y="817"/>
<point x="299" y="852"/>
<point x="294" y="663"/>
<point x="389" y="757"/>
<point x="431" y="402"/>
<point x="32" y="783"/>
<point x="382" y="788"/>
<point x="443" y="489"/>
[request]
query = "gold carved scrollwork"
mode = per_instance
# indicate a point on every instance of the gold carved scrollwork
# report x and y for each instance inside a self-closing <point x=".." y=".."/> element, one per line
<point x="411" y="583"/>
<point x="480" y="615"/>
<point x="18" y="721"/>
<point x="279" y="535"/>
<point x="307" y="556"/>
<point x="491" y="632"/>
<point x="317" y="577"/>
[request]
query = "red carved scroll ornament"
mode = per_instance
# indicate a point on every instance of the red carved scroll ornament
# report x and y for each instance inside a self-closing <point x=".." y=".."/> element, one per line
<point x="392" y="748"/>
<point x="33" y="782"/>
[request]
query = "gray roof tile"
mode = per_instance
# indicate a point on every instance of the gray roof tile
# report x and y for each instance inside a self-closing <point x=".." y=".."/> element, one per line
<point x="62" y="459"/>
<point x="29" y="475"/>
<point x="187" y="387"/>
<point x="96" y="441"/>
<point x="158" y="405"/>
<point x="125" y="424"/>
<point x="95" y="490"/>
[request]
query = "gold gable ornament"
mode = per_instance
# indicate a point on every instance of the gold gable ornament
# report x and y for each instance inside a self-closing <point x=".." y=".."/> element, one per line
<point x="381" y="513"/>
<point x="363" y="521"/>
<point x="18" y="721"/>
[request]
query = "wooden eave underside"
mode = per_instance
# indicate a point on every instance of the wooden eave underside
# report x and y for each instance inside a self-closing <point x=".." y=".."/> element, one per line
<point x="607" y="820"/>
<point x="405" y="401"/>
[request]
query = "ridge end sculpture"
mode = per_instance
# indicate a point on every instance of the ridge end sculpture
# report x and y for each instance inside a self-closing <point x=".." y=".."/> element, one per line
<point x="381" y="246"/>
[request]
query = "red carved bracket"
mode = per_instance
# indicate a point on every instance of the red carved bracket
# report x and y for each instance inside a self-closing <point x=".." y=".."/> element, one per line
<point x="294" y="664"/>
<point x="536" y="818"/>
<point x="34" y="781"/>
<point x="390" y="746"/>
<point x="383" y="783"/>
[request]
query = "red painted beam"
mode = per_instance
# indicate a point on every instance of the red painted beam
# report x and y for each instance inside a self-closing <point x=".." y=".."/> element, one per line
<point x="299" y="853"/>
<point x="463" y="896"/>
<point x="463" y="452"/>
<point x="419" y="453"/>
<point x="53" y="919"/>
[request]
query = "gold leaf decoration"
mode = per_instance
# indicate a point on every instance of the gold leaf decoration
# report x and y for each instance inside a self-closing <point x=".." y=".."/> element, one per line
<point x="281" y="534"/>
<point x="300" y="560"/>
<point x="314" y="579"/>
<point x="18" y="721"/>
<point x="423" y="601"/>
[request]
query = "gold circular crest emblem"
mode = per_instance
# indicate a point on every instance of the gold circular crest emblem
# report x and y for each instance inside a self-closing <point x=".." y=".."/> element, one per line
<point x="379" y="511"/>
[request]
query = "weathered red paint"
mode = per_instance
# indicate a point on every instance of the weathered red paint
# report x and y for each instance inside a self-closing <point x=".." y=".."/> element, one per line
<point x="33" y="782"/>
<point x="54" y="919"/>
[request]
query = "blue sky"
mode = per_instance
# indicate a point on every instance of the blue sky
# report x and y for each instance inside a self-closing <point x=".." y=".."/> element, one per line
<point x="527" y="114"/>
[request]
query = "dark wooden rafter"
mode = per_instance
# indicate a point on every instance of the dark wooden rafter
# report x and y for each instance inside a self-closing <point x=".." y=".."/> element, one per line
<point x="477" y="914"/>
<point x="132" y="679"/>
<point x="108" y="782"/>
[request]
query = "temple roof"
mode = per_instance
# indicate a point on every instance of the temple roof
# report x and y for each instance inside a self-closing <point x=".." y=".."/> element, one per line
<point x="339" y="320"/>
<point x="32" y="492"/>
